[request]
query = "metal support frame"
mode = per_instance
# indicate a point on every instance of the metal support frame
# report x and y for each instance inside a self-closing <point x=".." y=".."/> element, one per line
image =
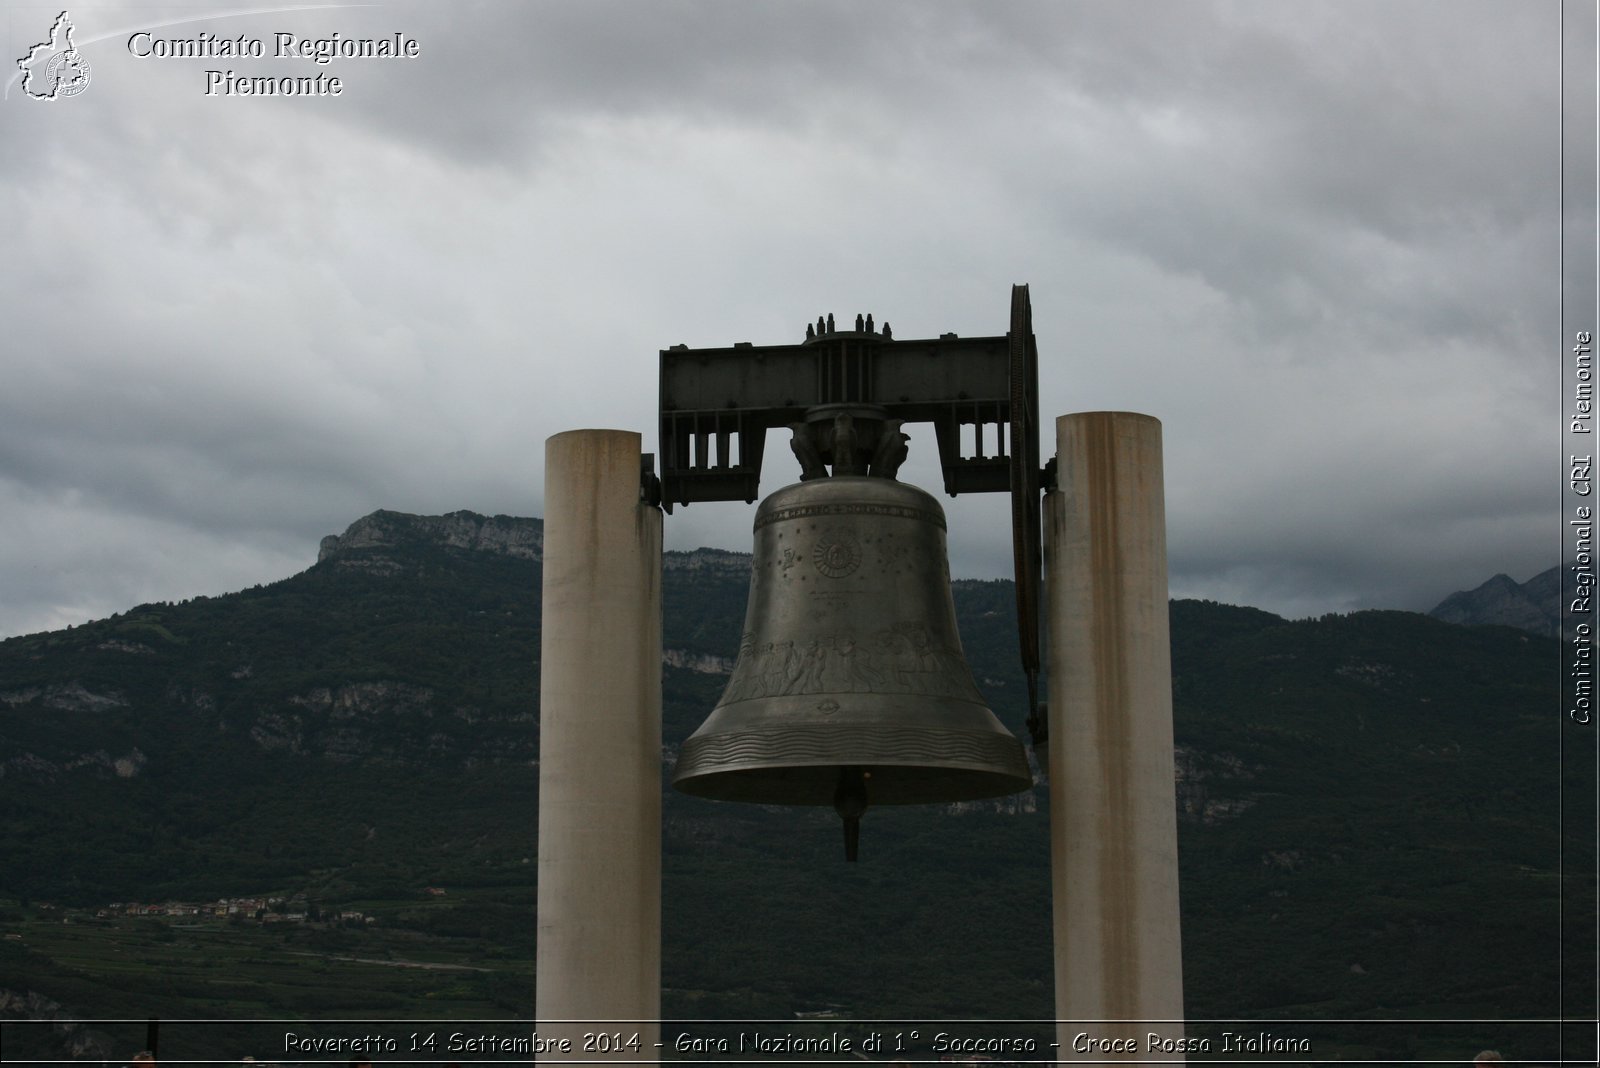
<point x="717" y="405"/>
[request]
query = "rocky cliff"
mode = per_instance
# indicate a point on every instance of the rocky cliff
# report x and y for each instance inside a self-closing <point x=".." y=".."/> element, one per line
<point x="505" y="535"/>
<point x="502" y="534"/>
<point x="719" y="563"/>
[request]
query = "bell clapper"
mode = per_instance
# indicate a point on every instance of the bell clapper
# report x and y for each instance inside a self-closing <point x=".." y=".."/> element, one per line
<point x="850" y="801"/>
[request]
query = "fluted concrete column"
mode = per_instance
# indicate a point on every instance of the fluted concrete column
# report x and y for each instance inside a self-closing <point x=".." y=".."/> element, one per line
<point x="599" y="919"/>
<point x="1113" y="820"/>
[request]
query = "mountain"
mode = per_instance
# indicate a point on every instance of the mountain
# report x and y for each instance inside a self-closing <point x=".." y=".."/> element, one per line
<point x="1533" y="606"/>
<point x="1367" y="814"/>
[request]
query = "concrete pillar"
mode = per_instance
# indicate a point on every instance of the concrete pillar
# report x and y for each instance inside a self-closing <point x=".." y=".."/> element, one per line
<point x="1113" y="819"/>
<point x="599" y="920"/>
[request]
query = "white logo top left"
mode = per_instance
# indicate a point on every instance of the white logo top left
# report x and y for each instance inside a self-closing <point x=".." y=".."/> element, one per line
<point x="54" y="69"/>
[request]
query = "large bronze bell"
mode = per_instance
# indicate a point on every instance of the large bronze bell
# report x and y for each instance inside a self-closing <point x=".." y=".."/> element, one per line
<point x="850" y="688"/>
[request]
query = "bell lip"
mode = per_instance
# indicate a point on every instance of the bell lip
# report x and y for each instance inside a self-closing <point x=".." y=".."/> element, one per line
<point x="801" y="765"/>
<point x="813" y="785"/>
<point x="951" y="715"/>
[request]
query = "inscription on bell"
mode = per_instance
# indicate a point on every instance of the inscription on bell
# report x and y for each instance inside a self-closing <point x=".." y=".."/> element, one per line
<point x="900" y="659"/>
<point x="833" y="508"/>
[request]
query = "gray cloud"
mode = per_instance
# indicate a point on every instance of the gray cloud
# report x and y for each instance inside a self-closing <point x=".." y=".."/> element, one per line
<point x="1317" y="240"/>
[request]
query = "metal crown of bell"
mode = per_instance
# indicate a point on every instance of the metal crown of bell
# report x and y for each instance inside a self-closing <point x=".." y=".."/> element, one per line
<point x="850" y="688"/>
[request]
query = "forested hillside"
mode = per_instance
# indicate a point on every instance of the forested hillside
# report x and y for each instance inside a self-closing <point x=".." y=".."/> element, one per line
<point x="1368" y="804"/>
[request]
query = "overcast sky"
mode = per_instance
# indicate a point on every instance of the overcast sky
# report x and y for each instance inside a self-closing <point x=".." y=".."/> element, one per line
<point x="1319" y="241"/>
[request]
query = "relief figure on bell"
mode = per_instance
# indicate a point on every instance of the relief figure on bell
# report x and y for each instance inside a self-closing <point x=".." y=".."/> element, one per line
<point x="746" y="679"/>
<point x="897" y="656"/>
<point x="859" y="674"/>
<point x="922" y="647"/>
<point x="807" y="674"/>
<point x="775" y="657"/>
